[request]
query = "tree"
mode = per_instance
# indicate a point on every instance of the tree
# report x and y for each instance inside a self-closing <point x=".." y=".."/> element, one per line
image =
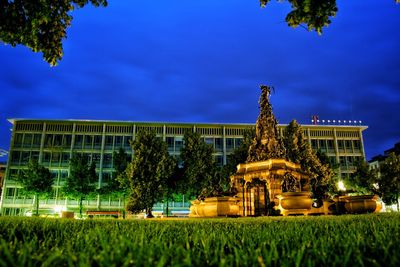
<point x="388" y="184"/>
<point x="40" y="25"/>
<point x="316" y="14"/>
<point x="363" y="179"/>
<point x="82" y="179"/>
<point x="119" y="184"/>
<point x="199" y="168"/>
<point x="36" y="180"/>
<point x="239" y="155"/>
<point x="298" y="150"/>
<point x="149" y="171"/>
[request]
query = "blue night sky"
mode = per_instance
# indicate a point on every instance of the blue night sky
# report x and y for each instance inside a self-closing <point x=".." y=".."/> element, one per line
<point x="203" y="61"/>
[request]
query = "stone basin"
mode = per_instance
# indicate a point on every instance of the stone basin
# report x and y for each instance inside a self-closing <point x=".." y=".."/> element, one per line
<point x="215" y="207"/>
<point x="293" y="203"/>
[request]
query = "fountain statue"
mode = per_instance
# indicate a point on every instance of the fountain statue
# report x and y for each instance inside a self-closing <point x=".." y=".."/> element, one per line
<point x="267" y="183"/>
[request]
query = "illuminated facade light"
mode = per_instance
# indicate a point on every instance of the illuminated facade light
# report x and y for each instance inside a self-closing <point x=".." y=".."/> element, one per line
<point x="341" y="186"/>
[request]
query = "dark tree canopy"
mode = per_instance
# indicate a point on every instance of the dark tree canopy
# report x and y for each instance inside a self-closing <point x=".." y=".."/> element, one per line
<point x="363" y="178"/>
<point x="315" y="14"/>
<point x="40" y="25"/>
<point x="298" y="150"/>
<point x="150" y="170"/>
<point x="82" y="179"/>
<point x="388" y="183"/>
<point x="199" y="168"/>
<point x="36" y="180"/>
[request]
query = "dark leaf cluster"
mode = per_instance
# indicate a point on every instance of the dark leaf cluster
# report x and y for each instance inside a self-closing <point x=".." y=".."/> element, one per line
<point x="315" y="14"/>
<point x="40" y="25"/>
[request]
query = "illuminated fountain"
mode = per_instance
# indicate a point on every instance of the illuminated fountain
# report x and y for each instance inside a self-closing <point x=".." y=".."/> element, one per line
<point x="268" y="184"/>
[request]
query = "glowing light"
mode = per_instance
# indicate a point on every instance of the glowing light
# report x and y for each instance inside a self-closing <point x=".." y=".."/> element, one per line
<point x="59" y="209"/>
<point x="341" y="186"/>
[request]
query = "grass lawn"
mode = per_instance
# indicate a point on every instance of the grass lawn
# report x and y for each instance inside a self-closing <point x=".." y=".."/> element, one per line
<point x="348" y="240"/>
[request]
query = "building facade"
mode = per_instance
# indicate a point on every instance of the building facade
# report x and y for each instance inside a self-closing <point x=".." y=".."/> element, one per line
<point x="52" y="143"/>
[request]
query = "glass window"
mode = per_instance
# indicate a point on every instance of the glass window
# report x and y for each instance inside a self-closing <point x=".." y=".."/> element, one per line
<point x="37" y="138"/>
<point x="118" y="141"/>
<point x="107" y="160"/>
<point x="322" y="144"/>
<point x="127" y="142"/>
<point x="67" y="141"/>
<point x="10" y="192"/>
<point x="170" y="143"/>
<point x="96" y="158"/>
<point x="48" y="140"/>
<point x="88" y="141"/>
<point x="332" y="161"/>
<point x="348" y="145"/>
<point x="218" y="144"/>
<point x="230" y="143"/>
<point x="65" y="159"/>
<point x="342" y="161"/>
<point x="78" y="141"/>
<point x="27" y="140"/>
<point x="25" y="157"/>
<point x="330" y="144"/>
<point x="14" y="174"/>
<point x="357" y="145"/>
<point x="46" y="158"/>
<point x="209" y="141"/>
<point x="341" y="144"/>
<point x="97" y="142"/>
<point x="178" y="144"/>
<point x="350" y="161"/>
<point x="15" y="157"/>
<point x="63" y="175"/>
<point x="109" y="142"/>
<point x="35" y="155"/>
<point x="314" y="144"/>
<point x="18" y="140"/>
<point x="55" y="158"/>
<point x="238" y="142"/>
<point x="57" y="140"/>
<point x="106" y="177"/>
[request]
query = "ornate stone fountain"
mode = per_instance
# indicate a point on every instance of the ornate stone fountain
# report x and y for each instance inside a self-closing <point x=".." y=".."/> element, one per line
<point x="266" y="184"/>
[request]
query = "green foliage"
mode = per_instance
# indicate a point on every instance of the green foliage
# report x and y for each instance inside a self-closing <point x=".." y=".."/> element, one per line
<point x="363" y="178"/>
<point x="149" y="172"/>
<point x="316" y="14"/>
<point x="199" y="172"/>
<point x="40" y="25"/>
<point x="82" y="180"/>
<point x="388" y="184"/>
<point x="298" y="150"/>
<point x="36" y="180"/>
<point x="347" y="240"/>
<point x="119" y="184"/>
<point x="239" y="155"/>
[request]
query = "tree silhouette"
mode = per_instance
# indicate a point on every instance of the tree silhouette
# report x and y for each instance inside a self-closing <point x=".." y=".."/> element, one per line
<point x="40" y="25"/>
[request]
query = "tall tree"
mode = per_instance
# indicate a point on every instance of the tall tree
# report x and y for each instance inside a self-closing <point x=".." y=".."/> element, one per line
<point x="363" y="179"/>
<point x="40" y="25"/>
<point x="82" y="179"/>
<point x="239" y="155"/>
<point x="199" y="168"/>
<point x="149" y="170"/>
<point x="298" y="150"/>
<point x="388" y="184"/>
<point x="118" y="186"/>
<point x="36" y="180"/>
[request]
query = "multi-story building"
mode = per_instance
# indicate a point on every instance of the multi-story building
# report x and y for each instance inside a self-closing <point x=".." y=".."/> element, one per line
<point x="3" y="166"/>
<point x="52" y="143"/>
